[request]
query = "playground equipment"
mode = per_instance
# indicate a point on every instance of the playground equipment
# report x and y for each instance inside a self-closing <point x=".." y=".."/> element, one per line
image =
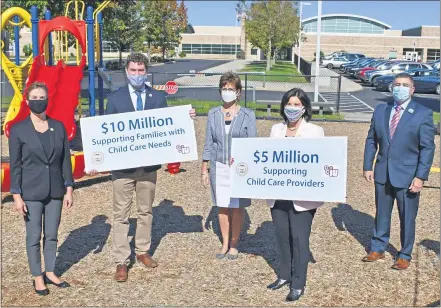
<point x="63" y="80"/>
<point x="14" y="70"/>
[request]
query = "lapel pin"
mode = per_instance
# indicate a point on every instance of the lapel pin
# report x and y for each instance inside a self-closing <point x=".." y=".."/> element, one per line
<point x="51" y="129"/>
<point x="410" y="110"/>
<point x="150" y="95"/>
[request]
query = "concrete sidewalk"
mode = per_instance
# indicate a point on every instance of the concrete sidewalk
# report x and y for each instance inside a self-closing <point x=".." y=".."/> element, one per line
<point x="346" y="84"/>
<point x="230" y="66"/>
<point x="357" y="116"/>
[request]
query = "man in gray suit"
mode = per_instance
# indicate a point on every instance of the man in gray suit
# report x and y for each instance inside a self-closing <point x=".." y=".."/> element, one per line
<point x="402" y="133"/>
<point x="136" y="96"/>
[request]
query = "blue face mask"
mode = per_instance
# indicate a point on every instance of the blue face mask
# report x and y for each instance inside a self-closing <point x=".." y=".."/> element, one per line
<point x="137" y="81"/>
<point x="401" y="94"/>
<point x="293" y="113"/>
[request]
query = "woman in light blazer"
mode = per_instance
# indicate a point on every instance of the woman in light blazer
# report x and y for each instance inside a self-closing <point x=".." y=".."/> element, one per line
<point x="293" y="219"/>
<point x="224" y="123"/>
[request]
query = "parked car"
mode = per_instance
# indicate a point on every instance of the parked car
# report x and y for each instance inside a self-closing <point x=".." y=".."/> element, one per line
<point x="375" y="66"/>
<point x="334" y="54"/>
<point x="385" y="83"/>
<point x="350" y="69"/>
<point x="360" y="62"/>
<point x="435" y="64"/>
<point x="392" y="68"/>
<point x="354" y="56"/>
<point x="427" y="84"/>
<point x="342" y="67"/>
<point x="334" y="62"/>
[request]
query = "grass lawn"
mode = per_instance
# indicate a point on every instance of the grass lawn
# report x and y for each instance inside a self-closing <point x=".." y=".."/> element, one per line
<point x="280" y="68"/>
<point x="436" y="117"/>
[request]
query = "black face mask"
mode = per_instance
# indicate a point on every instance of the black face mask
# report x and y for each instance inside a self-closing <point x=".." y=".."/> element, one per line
<point x="38" y="105"/>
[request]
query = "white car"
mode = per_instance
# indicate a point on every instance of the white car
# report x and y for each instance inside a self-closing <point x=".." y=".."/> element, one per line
<point x="334" y="62"/>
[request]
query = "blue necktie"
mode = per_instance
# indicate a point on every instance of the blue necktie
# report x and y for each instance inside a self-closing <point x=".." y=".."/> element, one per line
<point x="139" y="105"/>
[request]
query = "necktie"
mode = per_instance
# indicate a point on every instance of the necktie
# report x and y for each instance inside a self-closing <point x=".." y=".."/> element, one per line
<point x="139" y="105"/>
<point x="395" y="120"/>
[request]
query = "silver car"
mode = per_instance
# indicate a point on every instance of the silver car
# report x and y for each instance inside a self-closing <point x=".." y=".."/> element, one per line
<point x="394" y="68"/>
<point x="334" y="62"/>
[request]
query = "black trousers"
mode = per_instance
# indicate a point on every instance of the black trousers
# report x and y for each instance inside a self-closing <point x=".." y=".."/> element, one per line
<point x="292" y="232"/>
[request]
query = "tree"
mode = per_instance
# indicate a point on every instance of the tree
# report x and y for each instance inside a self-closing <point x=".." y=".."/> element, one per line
<point x="123" y="24"/>
<point x="151" y="19"/>
<point x="271" y="25"/>
<point x="174" y="21"/>
<point x="162" y="23"/>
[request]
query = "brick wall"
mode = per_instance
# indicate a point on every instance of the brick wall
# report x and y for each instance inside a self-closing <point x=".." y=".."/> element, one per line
<point x="431" y="31"/>
<point x="374" y="46"/>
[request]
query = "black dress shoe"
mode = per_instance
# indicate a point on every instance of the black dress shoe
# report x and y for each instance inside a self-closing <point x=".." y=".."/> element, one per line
<point x="41" y="292"/>
<point x="62" y="285"/>
<point x="294" y="294"/>
<point x="278" y="284"/>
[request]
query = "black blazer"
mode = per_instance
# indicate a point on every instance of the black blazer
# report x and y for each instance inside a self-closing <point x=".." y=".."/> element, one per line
<point x="33" y="175"/>
<point x="120" y="101"/>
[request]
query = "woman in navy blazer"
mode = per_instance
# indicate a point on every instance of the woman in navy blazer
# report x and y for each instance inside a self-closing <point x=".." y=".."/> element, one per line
<point x="41" y="182"/>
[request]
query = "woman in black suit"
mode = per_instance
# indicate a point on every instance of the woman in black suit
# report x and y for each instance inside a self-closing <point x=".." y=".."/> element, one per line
<point x="41" y="182"/>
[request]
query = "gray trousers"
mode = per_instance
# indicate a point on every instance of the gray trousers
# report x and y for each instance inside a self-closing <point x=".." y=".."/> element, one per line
<point x="42" y="215"/>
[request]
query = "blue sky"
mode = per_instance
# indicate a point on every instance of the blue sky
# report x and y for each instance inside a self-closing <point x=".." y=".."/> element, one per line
<point x="411" y="14"/>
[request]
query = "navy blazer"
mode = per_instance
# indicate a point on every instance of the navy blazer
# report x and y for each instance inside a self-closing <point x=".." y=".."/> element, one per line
<point x="409" y="154"/>
<point x="121" y="102"/>
<point x="34" y="175"/>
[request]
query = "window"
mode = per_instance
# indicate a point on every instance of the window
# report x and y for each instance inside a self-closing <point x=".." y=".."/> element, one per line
<point x="216" y="49"/>
<point x="433" y="54"/>
<point x="413" y="66"/>
<point x="345" y="25"/>
<point x="254" y="52"/>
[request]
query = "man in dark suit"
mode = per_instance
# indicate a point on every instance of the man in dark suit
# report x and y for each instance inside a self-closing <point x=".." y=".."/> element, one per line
<point x="136" y="96"/>
<point x="403" y="134"/>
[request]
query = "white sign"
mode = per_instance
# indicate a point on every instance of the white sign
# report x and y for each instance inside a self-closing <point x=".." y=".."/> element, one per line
<point x="223" y="187"/>
<point x="304" y="169"/>
<point x="137" y="139"/>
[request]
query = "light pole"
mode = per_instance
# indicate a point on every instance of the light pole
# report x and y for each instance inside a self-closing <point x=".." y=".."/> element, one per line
<point x="239" y="12"/>
<point x="237" y="17"/>
<point x="317" y="50"/>
<point x="300" y="34"/>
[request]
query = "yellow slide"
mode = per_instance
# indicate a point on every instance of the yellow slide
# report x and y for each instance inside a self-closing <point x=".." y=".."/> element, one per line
<point x="12" y="71"/>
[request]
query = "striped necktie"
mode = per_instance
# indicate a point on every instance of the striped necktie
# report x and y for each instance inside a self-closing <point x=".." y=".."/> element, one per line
<point x="395" y="120"/>
<point x="139" y="105"/>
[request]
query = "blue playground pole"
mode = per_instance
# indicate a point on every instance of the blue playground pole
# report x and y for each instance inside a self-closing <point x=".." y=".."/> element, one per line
<point x="34" y="21"/>
<point x="91" y="59"/>
<point x="17" y="41"/>
<point x="47" y="16"/>
<point x="100" y="65"/>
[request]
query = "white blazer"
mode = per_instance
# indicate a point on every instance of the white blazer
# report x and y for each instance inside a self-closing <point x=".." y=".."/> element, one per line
<point x="305" y="130"/>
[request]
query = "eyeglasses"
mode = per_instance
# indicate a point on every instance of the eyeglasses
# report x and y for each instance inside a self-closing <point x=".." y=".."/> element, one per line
<point x="229" y="89"/>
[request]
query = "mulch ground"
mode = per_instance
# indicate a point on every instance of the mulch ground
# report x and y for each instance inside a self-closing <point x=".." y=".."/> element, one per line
<point x="186" y="238"/>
